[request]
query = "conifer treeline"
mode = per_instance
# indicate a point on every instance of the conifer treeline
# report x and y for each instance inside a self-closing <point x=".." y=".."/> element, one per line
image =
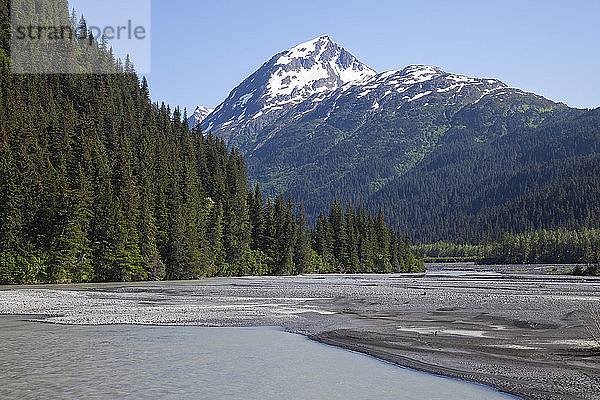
<point x="539" y="247"/>
<point x="345" y="241"/>
<point x="99" y="184"/>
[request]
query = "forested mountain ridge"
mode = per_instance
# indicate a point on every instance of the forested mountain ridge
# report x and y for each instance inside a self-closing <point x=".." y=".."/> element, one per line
<point x="523" y="181"/>
<point x="97" y="183"/>
<point x="448" y="157"/>
<point x="353" y="143"/>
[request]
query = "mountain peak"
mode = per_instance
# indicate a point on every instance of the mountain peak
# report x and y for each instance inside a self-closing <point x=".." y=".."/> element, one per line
<point x="311" y="44"/>
<point x="202" y="109"/>
<point x="199" y="115"/>
<point x="314" y="66"/>
<point x="423" y="69"/>
<point x="309" y="70"/>
<point x="309" y="48"/>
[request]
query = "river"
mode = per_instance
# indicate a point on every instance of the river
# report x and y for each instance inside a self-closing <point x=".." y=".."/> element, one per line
<point x="50" y="361"/>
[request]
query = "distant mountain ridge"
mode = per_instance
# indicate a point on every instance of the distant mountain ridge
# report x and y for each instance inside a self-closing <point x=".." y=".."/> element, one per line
<point x="316" y="122"/>
<point x="199" y="115"/>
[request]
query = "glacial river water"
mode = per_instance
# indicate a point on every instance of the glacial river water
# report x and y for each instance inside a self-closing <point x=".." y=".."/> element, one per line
<point x="46" y="361"/>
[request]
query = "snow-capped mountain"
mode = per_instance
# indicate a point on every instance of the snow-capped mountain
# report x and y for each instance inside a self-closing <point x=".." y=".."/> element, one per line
<point x="199" y="115"/>
<point x="318" y="123"/>
<point x="313" y="79"/>
<point x="309" y="71"/>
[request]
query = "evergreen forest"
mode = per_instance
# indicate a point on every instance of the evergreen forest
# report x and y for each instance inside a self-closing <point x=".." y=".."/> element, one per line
<point x="97" y="183"/>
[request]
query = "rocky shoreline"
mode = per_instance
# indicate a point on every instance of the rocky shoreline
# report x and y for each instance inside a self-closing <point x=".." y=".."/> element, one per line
<point x="520" y="331"/>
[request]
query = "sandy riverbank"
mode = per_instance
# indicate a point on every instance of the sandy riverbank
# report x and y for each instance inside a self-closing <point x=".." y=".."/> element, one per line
<point x="521" y="332"/>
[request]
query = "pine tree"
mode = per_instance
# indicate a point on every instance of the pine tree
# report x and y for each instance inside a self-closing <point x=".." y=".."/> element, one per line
<point x="382" y="234"/>
<point x="323" y="240"/>
<point x="257" y="217"/>
<point x="72" y="261"/>
<point x="338" y="227"/>
<point x="237" y="220"/>
<point x="303" y="254"/>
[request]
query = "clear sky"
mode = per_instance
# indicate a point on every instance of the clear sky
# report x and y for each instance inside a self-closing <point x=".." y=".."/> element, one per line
<point x="202" y="49"/>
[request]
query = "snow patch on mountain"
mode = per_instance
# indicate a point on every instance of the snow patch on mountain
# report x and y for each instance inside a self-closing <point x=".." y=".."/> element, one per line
<point x="247" y="97"/>
<point x="418" y="96"/>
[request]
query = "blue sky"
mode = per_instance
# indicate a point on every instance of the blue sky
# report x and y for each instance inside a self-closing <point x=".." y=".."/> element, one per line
<point x="203" y="49"/>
